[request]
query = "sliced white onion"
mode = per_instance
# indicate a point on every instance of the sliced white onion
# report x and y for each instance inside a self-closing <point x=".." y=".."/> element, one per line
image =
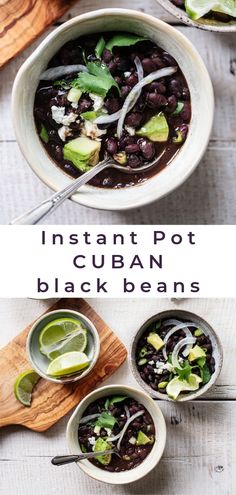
<point x="108" y="119"/>
<point x="180" y="326"/>
<point x="178" y="347"/>
<point x="127" y="412"/>
<point x="61" y="70"/>
<point x="88" y="418"/>
<point x="120" y="435"/>
<point x="134" y="93"/>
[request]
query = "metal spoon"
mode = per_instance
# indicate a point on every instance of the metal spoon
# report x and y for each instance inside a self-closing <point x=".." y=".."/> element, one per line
<point x="39" y="212"/>
<point x="60" y="460"/>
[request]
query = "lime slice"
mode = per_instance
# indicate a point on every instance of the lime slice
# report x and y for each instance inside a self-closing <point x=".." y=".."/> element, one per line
<point x="176" y="386"/>
<point x="226" y="7"/>
<point x="198" y="8"/>
<point x="77" y="341"/>
<point x="24" y="385"/>
<point x="54" y="336"/>
<point x="100" y="446"/>
<point x="68" y="363"/>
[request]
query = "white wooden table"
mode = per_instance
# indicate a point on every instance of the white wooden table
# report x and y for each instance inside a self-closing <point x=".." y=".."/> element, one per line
<point x="201" y="440"/>
<point x="209" y="196"/>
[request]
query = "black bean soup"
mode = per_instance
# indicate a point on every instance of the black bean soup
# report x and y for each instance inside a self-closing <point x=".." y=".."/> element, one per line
<point x="175" y="357"/>
<point x="121" y="422"/>
<point x="156" y="125"/>
<point x="217" y="16"/>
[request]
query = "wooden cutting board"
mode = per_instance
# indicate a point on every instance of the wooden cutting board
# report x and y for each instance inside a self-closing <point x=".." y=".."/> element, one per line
<point x="22" y="21"/>
<point x="51" y="401"/>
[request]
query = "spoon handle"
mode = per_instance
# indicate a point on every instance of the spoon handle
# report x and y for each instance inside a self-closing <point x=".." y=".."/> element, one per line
<point x="60" y="460"/>
<point x="39" y="212"/>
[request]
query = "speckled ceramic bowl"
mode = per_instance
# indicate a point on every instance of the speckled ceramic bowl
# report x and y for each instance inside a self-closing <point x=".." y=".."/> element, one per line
<point x="40" y="362"/>
<point x="149" y="463"/>
<point x="207" y="24"/>
<point x="208" y="330"/>
<point x="202" y="99"/>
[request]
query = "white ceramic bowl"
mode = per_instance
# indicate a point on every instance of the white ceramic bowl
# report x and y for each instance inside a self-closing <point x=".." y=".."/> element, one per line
<point x="167" y="38"/>
<point x="204" y="23"/>
<point x="207" y="329"/>
<point x="40" y="362"/>
<point x="151" y="460"/>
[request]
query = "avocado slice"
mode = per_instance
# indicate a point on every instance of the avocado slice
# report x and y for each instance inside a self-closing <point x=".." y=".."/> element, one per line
<point x="142" y="439"/>
<point x="196" y="353"/>
<point x="82" y="152"/>
<point x="74" y="95"/>
<point x="156" y="129"/>
<point x="100" y="446"/>
<point x="155" y="341"/>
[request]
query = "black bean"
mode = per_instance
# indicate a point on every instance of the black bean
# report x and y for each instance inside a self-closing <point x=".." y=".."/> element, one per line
<point x="132" y="148"/>
<point x="111" y="146"/>
<point x="134" y="119"/>
<point x="172" y="103"/>
<point x="134" y="161"/>
<point x="107" y="55"/>
<point x="158" y="86"/>
<point x="84" y="105"/>
<point x="148" y="65"/>
<point x="125" y="91"/>
<point x="148" y="151"/>
<point x="131" y="80"/>
<point x="155" y="100"/>
<point x="112" y="66"/>
<point x="186" y="112"/>
<point x="112" y="105"/>
<point x="175" y="87"/>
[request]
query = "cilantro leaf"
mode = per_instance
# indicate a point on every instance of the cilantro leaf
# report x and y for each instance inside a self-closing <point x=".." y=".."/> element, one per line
<point x="123" y="39"/>
<point x="205" y="374"/>
<point x="100" y="47"/>
<point x="184" y="372"/>
<point x="98" y="80"/>
<point x="201" y="362"/>
<point x="106" y="420"/>
<point x="114" y="400"/>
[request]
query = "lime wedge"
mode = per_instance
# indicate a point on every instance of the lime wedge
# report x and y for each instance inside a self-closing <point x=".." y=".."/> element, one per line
<point x="68" y="363"/>
<point x="198" y="8"/>
<point x="58" y="333"/>
<point x="100" y="446"/>
<point x="176" y="386"/>
<point x="24" y="385"/>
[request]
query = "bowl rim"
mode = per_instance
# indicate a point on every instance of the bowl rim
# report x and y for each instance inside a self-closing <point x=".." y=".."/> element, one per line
<point x="168" y="184"/>
<point x="168" y="314"/>
<point x="207" y="26"/>
<point x="71" y="378"/>
<point x="100" y="474"/>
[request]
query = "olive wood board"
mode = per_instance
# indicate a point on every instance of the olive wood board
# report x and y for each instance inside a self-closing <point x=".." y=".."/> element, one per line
<point x="22" y="21"/>
<point x="51" y="401"/>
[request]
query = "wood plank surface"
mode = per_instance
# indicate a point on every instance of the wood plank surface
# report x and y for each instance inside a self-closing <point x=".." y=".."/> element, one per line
<point x="52" y="401"/>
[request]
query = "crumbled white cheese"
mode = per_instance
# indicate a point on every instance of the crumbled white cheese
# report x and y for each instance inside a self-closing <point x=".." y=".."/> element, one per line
<point x="109" y="431"/>
<point x="132" y="440"/>
<point x="130" y="130"/>
<point x="158" y="371"/>
<point x="169" y="367"/>
<point x="58" y="114"/>
<point x="97" y="101"/>
<point x="92" y="440"/>
<point x="64" y="132"/>
<point x="68" y="119"/>
<point x="151" y="362"/>
<point x="90" y="129"/>
<point x="74" y="104"/>
<point x="97" y="429"/>
<point x="127" y="74"/>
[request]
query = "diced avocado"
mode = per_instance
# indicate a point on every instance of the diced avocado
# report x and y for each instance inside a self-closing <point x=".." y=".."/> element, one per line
<point x="120" y="157"/>
<point x="196" y="353"/>
<point x="44" y="134"/>
<point x="179" y="138"/>
<point x="155" y="341"/>
<point x="142" y="439"/>
<point x="100" y="446"/>
<point x="156" y="129"/>
<point x="91" y="115"/>
<point x="82" y="152"/>
<point x="162" y="384"/>
<point x="198" y="332"/>
<point x="74" y="95"/>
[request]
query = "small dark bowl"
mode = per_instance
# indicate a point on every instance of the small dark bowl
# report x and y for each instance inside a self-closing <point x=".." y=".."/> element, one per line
<point x="208" y="330"/>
